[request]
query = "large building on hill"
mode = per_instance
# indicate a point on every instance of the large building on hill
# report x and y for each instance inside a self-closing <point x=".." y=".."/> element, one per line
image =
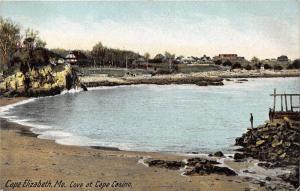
<point x="77" y="57"/>
<point x="229" y="57"/>
<point x="282" y="58"/>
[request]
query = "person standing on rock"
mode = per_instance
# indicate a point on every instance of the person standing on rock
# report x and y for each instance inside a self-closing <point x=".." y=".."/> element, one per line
<point x="251" y="120"/>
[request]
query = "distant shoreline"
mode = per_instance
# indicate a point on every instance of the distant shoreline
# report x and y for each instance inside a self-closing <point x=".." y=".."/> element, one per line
<point x="200" y="79"/>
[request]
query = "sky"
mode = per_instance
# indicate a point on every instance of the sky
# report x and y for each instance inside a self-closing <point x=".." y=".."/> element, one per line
<point x="266" y="29"/>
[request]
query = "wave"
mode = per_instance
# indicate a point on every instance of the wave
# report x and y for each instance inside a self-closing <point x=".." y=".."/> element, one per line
<point x="5" y="109"/>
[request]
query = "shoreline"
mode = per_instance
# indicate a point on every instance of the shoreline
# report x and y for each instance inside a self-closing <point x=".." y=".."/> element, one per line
<point x="67" y="161"/>
<point x="211" y="78"/>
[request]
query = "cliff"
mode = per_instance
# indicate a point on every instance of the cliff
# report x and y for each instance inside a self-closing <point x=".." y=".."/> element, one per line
<point x="42" y="81"/>
<point x="37" y="73"/>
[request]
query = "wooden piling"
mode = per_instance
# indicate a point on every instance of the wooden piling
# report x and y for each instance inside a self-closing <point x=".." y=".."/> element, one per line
<point x="274" y="106"/>
<point x="281" y="103"/>
<point x="286" y="106"/>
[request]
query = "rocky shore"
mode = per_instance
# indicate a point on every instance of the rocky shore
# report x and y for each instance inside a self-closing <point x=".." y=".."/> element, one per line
<point x="94" y="81"/>
<point x="194" y="166"/>
<point x="277" y="143"/>
<point x="39" y="81"/>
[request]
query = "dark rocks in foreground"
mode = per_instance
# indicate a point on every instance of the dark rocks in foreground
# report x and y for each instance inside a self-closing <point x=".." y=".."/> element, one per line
<point x="292" y="178"/>
<point x="195" y="166"/>
<point x="219" y="154"/>
<point x="276" y="142"/>
<point x="174" y="165"/>
<point x="200" y="166"/>
<point x="206" y="169"/>
<point x="239" y="157"/>
<point x="197" y="160"/>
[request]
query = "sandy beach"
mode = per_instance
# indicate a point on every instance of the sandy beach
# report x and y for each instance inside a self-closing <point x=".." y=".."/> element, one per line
<point x="24" y="156"/>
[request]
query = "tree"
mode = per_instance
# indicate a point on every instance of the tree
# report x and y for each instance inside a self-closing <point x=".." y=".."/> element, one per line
<point x="296" y="64"/>
<point x="36" y="40"/>
<point x="99" y="53"/>
<point x="169" y="56"/>
<point x="9" y="39"/>
<point x="254" y="60"/>
<point x="147" y="56"/>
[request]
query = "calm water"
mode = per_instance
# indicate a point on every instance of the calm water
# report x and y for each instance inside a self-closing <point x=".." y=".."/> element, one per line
<point x="176" y="118"/>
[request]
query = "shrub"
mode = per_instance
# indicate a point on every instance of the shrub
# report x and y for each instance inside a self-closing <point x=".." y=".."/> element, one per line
<point x="248" y="67"/>
<point x="267" y="66"/>
<point x="218" y="62"/>
<point x="236" y="65"/>
<point x="290" y="66"/>
<point x="258" y="65"/>
<point x="278" y="67"/>
<point x="227" y="63"/>
<point x="296" y="64"/>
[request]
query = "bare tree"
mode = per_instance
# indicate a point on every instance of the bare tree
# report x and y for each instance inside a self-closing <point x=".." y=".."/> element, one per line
<point x="9" y="39"/>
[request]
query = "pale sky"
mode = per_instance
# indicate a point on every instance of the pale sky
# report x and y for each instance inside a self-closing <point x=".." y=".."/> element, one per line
<point x="266" y="29"/>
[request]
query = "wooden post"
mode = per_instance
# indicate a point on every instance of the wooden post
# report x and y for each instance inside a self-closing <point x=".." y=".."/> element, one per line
<point x="291" y="102"/>
<point x="274" y="104"/>
<point x="286" y="107"/>
<point x="281" y="102"/>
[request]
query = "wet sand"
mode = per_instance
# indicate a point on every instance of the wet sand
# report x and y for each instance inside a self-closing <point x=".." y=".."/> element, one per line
<point x="23" y="156"/>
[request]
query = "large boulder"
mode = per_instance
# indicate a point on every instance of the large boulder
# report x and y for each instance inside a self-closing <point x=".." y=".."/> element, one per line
<point x="39" y="81"/>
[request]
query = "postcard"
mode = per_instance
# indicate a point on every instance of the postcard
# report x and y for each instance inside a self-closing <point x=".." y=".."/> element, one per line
<point x="149" y="95"/>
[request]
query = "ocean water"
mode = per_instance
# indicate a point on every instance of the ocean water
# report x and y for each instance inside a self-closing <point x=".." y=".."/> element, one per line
<point x="168" y="118"/>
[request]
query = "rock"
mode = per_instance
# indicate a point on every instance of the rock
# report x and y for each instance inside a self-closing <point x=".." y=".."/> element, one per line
<point x="225" y="170"/>
<point x="273" y="142"/>
<point x="292" y="178"/>
<point x="268" y="178"/>
<point x="264" y="164"/>
<point x="195" y="161"/>
<point x="203" y="169"/>
<point x="242" y="80"/>
<point x="219" y="154"/>
<point x="174" y="165"/>
<point x="40" y="81"/>
<point x="261" y="183"/>
<point x="260" y="142"/>
<point x="239" y="156"/>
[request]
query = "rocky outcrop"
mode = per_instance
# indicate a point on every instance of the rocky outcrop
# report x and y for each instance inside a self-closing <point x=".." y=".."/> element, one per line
<point x="292" y="178"/>
<point x="39" y="81"/>
<point x="218" y="154"/>
<point x="193" y="166"/>
<point x="276" y="142"/>
<point x="93" y="81"/>
<point x="198" y="166"/>
<point x="174" y="165"/>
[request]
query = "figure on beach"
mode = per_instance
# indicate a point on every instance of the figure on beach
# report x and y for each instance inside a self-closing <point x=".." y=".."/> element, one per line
<point x="271" y="113"/>
<point x="251" y="120"/>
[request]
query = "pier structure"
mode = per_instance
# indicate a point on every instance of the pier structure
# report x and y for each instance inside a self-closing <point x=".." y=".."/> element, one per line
<point x="289" y="106"/>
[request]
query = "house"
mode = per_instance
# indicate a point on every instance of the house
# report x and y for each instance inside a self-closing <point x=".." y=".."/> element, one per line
<point x="140" y="62"/>
<point x="282" y="58"/>
<point x="205" y="58"/>
<point x="77" y="57"/>
<point x="230" y="57"/>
